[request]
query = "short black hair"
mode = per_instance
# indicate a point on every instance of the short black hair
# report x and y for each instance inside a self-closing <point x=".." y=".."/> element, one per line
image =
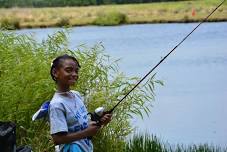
<point x="57" y="62"/>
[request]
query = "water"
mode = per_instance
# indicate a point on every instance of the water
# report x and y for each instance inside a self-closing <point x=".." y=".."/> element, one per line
<point x="191" y="107"/>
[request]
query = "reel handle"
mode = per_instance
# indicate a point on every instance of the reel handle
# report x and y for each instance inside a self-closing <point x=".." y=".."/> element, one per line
<point x="97" y="115"/>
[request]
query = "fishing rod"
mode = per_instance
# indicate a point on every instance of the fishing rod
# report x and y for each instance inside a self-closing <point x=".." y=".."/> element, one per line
<point x="99" y="112"/>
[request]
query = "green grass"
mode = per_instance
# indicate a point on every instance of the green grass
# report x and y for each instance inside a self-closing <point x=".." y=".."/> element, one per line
<point x="163" y="12"/>
<point x="146" y="143"/>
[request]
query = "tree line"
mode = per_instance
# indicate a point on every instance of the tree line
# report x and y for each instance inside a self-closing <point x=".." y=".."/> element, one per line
<point x="60" y="3"/>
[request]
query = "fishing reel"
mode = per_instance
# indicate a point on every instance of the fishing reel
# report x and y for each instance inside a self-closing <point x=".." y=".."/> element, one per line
<point x="97" y="115"/>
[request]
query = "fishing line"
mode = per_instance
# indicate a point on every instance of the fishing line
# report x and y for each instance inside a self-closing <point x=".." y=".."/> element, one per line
<point x="205" y="19"/>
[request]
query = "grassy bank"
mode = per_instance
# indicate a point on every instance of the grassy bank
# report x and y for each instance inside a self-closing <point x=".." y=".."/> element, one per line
<point x="185" y="11"/>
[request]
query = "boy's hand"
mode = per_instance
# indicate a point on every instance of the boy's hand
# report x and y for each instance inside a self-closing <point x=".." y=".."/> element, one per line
<point x="92" y="129"/>
<point x="106" y="119"/>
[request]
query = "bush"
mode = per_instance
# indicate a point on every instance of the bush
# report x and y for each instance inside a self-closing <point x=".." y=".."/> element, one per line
<point x="9" y="24"/>
<point x="25" y="84"/>
<point x="63" y="21"/>
<point x="110" y="18"/>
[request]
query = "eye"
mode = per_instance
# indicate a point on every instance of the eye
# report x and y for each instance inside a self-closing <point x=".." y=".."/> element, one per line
<point x="68" y="69"/>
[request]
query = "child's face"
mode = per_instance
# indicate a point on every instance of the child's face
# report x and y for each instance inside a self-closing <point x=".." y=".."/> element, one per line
<point x="67" y="73"/>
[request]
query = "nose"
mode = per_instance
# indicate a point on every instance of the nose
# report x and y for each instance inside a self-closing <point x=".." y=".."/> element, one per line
<point x="74" y="74"/>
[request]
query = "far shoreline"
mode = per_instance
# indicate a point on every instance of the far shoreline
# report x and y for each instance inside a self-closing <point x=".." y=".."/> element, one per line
<point x="112" y="15"/>
<point x="44" y="27"/>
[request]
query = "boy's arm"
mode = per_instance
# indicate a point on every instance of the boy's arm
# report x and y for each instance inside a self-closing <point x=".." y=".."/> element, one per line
<point x="64" y="137"/>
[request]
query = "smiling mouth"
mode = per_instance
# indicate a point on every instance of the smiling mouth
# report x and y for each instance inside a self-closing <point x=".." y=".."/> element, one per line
<point x="72" y="80"/>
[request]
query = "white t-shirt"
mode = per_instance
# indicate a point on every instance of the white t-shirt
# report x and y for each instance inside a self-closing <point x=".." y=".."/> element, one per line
<point x="69" y="114"/>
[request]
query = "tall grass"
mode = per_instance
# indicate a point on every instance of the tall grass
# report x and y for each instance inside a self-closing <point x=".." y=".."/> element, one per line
<point x="147" y="143"/>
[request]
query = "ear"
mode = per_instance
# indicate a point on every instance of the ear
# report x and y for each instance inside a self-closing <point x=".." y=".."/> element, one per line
<point x="55" y="73"/>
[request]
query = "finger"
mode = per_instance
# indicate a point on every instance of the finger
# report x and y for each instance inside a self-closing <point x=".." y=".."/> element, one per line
<point x="103" y="119"/>
<point x="93" y="123"/>
<point x="108" y="118"/>
<point x="108" y="115"/>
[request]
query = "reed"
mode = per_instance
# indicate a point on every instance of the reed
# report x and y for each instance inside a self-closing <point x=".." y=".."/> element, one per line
<point x="150" y="143"/>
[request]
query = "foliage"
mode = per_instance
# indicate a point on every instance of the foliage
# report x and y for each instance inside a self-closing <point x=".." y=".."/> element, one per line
<point x="25" y="84"/>
<point x="57" y="3"/>
<point x="144" y="143"/>
<point x="110" y="18"/>
<point x="10" y="24"/>
<point x="147" y="143"/>
<point x="63" y="22"/>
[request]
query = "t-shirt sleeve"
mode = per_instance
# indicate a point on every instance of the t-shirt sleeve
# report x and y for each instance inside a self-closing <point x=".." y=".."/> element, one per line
<point x="57" y="120"/>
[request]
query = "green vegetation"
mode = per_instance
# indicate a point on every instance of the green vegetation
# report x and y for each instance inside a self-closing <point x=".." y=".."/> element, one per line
<point x="61" y="3"/>
<point x="9" y="23"/>
<point x="26" y="83"/>
<point x="146" y="143"/>
<point x="164" y="12"/>
<point x="63" y="22"/>
<point x="110" y="18"/>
